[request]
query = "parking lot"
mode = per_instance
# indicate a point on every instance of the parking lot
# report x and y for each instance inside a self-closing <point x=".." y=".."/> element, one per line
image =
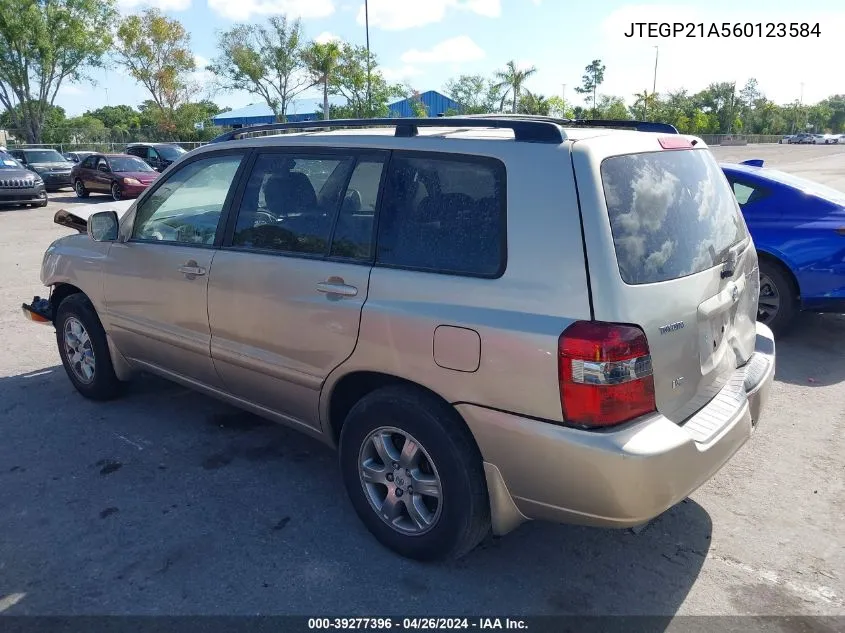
<point x="168" y="502"/>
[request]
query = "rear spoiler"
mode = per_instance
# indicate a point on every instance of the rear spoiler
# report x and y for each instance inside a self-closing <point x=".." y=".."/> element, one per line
<point x="753" y="162"/>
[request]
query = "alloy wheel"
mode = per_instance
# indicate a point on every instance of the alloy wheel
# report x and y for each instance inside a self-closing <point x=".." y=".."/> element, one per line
<point x="79" y="350"/>
<point x="768" y="305"/>
<point x="400" y="481"/>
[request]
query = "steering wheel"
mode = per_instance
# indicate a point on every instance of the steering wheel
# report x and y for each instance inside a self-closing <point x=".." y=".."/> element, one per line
<point x="265" y="217"/>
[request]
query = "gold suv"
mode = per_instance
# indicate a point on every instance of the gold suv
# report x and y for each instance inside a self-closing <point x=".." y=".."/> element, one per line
<point x="493" y="318"/>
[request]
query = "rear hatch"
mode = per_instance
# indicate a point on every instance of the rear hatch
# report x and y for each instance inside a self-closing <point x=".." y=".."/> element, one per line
<point x="669" y="252"/>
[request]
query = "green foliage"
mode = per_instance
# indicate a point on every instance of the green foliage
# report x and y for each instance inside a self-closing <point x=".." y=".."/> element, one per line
<point x="510" y="82"/>
<point x="530" y="103"/>
<point x="559" y="108"/>
<point x="322" y="61"/>
<point x="610" y="107"/>
<point x="156" y="51"/>
<point x="477" y="94"/>
<point x="43" y="44"/>
<point x="593" y="77"/>
<point x="350" y="82"/>
<point x="266" y="60"/>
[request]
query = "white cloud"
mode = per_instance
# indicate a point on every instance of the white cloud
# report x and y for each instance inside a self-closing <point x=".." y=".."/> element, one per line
<point x="455" y="50"/>
<point x="397" y="15"/>
<point x="242" y="10"/>
<point x="400" y="74"/>
<point x="200" y="75"/>
<point x="325" y="37"/>
<point x="164" y="5"/>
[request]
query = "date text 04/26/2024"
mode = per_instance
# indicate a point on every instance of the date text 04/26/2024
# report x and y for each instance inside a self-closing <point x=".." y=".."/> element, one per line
<point x="776" y="30"/>
<point x="402" y="625"/>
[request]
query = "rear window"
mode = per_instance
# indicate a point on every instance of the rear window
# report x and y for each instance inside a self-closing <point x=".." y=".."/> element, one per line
<point x="672" y="214"/>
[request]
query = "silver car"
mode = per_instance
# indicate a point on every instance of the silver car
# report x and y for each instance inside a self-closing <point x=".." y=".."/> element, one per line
<point x="493" y="319"/>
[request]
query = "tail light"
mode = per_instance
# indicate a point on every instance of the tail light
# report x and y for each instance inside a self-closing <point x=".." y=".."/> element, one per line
<point x="605" y="374"/>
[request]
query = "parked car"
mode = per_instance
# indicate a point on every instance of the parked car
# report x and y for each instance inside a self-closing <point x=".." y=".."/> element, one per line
<point x="119" y="175"/>
<point x="77" y="157"/>
<point x="823" y="139"/>
<point x="840" y="139"/>
<point x="787" y="139"/>
<point x="53" y="168"/>
<point x="802" y="138"/>
<point x="493" y="319"/>
<point x="159" y="156"/>
<point x="798" y="228"/>
<point x="20" y="186"/>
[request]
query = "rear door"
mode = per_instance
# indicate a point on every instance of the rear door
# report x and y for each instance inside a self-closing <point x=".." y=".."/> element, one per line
<point x="286" y="291"/>
<point x="669" y="251"/>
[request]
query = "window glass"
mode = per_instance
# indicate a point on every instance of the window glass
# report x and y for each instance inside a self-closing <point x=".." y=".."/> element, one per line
<point x="186" y="207"/>
<point x="742" y="192"/>
<point x="102" y="165"/>
<point x="443" y="214"/>
<point x="90" y="162"/>
<point x="672" y="214"/>
<point x="127" y="164"/>
<point x="290" y="202"/>
<point x="353" y="235"/>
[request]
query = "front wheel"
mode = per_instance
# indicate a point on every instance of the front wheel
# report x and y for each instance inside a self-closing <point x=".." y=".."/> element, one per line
<point x="414" y="474"/>
<point x="778" y="302"/>
<point x="84" y="349"/>
<point x="116" y="193"/>
<point x="80" y="190"/>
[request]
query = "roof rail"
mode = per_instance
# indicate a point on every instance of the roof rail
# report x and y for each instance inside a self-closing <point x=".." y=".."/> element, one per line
<point x="639" y="126"/>
<point x="532" y="130"/>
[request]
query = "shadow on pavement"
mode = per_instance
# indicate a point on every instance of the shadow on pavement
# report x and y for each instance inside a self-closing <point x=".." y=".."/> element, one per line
<point x="167" y="502"/>
<point x="811" y="352"/>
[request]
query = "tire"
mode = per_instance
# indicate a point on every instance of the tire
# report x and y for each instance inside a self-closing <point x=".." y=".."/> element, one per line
<point x="116" y="192"/>
<point x="43" y="203"/>
<point x="76" y="310"/>
<point x="449" y="461"/>
<point x="81" y="191"/>
<point x="776" y="287"/>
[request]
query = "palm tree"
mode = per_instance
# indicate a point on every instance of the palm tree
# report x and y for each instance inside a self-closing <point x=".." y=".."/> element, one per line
<point x="322" y="61"/>
<point x="511" y="80"/>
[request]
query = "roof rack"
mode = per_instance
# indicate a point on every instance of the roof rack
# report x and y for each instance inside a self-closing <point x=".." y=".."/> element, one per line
<point x="528" y="129"/>
<point x="639" y="126"/>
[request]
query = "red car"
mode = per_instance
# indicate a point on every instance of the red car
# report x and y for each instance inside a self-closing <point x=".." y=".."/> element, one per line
<point x="120" y="175"/>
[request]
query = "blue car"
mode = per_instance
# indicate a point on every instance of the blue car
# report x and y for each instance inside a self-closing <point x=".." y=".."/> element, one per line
<point x="798" y="227"/>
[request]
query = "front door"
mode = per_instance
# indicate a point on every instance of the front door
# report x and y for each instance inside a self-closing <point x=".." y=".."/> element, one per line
<point x="287" y="289"/>
<point x="101" y="178"/>
<point x="156" y="282"/>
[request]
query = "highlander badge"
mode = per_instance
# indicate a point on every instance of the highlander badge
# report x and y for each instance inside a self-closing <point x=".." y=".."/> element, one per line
<point x="672" y="327"/>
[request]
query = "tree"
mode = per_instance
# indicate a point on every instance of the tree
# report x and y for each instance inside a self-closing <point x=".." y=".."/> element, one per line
<point x="530" y="103"/>
<point x="559" y="108"/>
<point x="322" y="61"/>
<point x="156" y="51"/>
<point x="510" y="81"/>
<point x="593" y="77"/>
<point x="265" y="60"/>
<point x="418" y="108"/>
<point x="350" y="82"/>
<point x="611" y="107"/>
<point x="644" y="102"/>
<point x="43" y="44"/>
<point x="476" y="93"/>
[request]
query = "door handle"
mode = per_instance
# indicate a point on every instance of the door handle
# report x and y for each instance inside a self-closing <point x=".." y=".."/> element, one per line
<point x="191" y="269"/>
<point x="336" y="286"/>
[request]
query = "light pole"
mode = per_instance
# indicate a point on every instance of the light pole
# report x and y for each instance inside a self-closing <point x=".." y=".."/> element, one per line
<point x="367" y="27"/>
<point x="654" y="81"/>
<point x="564" y="100"/>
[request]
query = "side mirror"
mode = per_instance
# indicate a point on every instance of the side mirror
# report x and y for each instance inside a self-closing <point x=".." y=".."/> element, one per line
<point x="103" y="226"/>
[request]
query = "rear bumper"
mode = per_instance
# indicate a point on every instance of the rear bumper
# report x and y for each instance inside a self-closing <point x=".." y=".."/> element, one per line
<point x="619" y="478"/>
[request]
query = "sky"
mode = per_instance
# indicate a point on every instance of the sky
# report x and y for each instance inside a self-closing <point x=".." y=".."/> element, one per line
<point x="425" y="42"/>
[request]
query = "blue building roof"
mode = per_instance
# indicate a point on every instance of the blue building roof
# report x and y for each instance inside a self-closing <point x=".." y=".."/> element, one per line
<point x="434" y="102"/>
<point x="305" y="110"/>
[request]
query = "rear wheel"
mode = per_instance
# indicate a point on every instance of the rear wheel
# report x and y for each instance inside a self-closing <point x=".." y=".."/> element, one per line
<point x="414" y="474"/>
<point x="778" y="303"/>
<point x="81" y="191"/>
<point x="84" y="349"/>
